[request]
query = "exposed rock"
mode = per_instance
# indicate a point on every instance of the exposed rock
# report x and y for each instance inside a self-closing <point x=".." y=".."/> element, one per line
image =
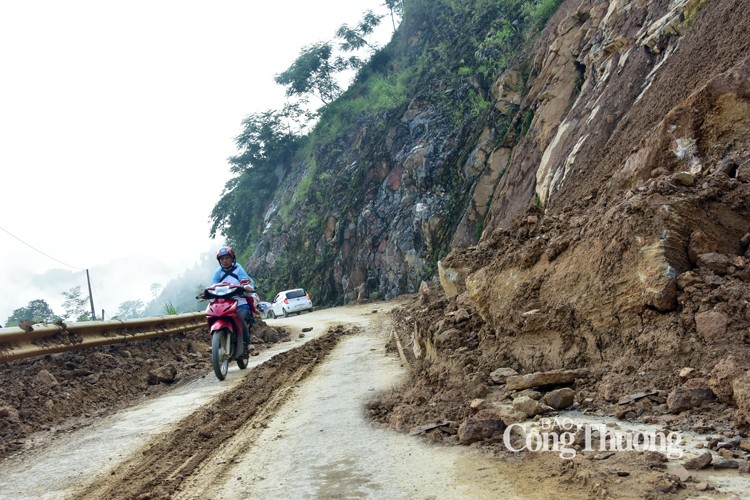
<point x="529" y="407"/>
<point x="686" y="373"/>
<point x="700" y="244"/>
<point x="743" y="172"/>
<point x="683" y="179"/>
<point x="485" y="424"/>
<point x="692" y="394"/>
<point x="560" y="399"/>
<point x="452" y="280"/>
<point x="477" y="405"/>
<point x="700" y="462"/>
<point x="540" y="379"/>
<point x="500" y="375"/>
<point x="741" y="391"/>
<point x="688" y="279"/>
<point x="165" y="374"/>
<point x="711" y="325"/>
<point x="531" y="393"/>
<point x="46" y="378"/>
<point x="722" y="378"/>
<point x="726" y="464"/>
<point x="716" y="262"/>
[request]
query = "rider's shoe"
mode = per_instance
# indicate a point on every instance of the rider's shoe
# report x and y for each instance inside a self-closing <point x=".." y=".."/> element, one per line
<point x="245" y="352"/>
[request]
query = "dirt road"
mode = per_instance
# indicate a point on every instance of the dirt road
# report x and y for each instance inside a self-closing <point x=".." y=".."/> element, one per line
<point x="292" y="426"/>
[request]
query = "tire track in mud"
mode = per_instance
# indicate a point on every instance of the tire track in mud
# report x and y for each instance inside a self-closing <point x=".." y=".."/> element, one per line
<point x="212" y="437"/>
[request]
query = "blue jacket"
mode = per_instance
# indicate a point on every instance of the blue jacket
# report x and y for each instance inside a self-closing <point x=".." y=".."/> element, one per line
<point x="234" y="275"/>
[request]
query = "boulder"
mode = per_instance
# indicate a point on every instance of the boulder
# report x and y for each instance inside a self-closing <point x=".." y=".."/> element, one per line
<point x="559" y="399"/>
<point x="486" y="424"/>
<point x="711" y="325"/>
<point x="722" y="378"/>
<point x="453" y="280"/>
<point x="539" y="379"/>
<point x="700" y="462"/>
<point x="691" y="394"/>
<point x="529" y="407"/>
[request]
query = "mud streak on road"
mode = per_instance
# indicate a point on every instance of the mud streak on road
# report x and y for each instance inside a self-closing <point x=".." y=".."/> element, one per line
<point x="224" y="429"/>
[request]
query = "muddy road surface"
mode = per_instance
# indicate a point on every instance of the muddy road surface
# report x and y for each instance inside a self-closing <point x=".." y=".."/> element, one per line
<point x="292" y="425"/>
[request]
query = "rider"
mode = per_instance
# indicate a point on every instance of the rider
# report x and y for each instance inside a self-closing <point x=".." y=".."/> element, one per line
<point x="231" y="272"/>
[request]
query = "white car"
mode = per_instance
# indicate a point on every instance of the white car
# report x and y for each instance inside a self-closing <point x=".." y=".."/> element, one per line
<point x="290" y="301"/>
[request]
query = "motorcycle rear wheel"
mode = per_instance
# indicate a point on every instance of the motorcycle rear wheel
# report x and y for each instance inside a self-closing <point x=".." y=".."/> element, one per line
<point x="220" y="353"/>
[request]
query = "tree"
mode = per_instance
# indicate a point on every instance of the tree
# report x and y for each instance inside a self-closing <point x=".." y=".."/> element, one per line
<point x="131" y="309"/>
<point x="266" y="143"/>
<point x="355" y="38"/>
<point x="156" y="289"/>
<point x="312" y="73"/>
<point x="75" y="305"/>
<point x="266" y="140"/>
<point x="396" y="8"/>
<point x="36" y="311"/>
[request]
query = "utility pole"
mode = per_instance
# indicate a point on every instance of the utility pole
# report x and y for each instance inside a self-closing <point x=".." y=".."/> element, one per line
<point x="91" y="297"/>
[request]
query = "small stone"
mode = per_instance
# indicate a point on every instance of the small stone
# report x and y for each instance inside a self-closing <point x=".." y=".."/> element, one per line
<point x="718" y="263"/>
<point x="686" y="372"/>
<point x="476" y="405"/>
<point x="498" y="376"/>
<point x="726" y="464"/>
<point x="683" y="179"/>
<point x="699" y="244"/>
<point x="682" y="474"/>
<point x="711" y="324"/>
<point x="700" y="462"/>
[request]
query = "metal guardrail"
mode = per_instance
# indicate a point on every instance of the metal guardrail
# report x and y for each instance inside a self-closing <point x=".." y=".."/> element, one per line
<point x="41" y="339"/>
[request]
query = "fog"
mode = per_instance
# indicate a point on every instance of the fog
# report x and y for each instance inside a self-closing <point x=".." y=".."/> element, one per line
<point x="121" y="280"/>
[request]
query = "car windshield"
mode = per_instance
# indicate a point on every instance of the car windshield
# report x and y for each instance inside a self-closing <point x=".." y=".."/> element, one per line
<point x="295" y="294"/>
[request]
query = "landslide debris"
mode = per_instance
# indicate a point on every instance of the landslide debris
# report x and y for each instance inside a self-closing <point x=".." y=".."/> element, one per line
<point x="60" y="392"/>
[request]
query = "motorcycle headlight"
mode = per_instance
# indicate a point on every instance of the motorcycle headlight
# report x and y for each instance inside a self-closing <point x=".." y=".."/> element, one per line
<point x="222" y="290"/>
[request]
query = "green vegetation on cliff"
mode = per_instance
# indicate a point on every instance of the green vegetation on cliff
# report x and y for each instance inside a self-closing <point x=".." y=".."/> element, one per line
<point x="304" y="174"/>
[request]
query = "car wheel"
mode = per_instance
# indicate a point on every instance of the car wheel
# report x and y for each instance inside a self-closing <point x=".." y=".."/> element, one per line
<point x="311" y="309"/>
<point x="286" y="314"/>
<point x="272" y="314"/>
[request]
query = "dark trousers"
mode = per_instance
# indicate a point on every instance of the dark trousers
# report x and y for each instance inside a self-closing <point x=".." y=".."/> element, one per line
<point x="243" y="311"/>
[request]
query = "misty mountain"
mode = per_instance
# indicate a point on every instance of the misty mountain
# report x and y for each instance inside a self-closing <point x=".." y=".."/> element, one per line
<point x="179" y="293"/>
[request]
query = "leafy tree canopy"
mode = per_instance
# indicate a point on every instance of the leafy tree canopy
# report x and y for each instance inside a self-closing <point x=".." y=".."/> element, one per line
<point x="37" y="311"/>
<point x="312" y="73"/>
<point x="131" y="309"/>
<point x="76" y="305"/>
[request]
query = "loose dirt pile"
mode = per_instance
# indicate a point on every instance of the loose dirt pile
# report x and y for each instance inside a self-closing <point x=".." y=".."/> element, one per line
<point x="60" y="392"/>
<point x="458" y="395"/>
<point x="208" y="430"/>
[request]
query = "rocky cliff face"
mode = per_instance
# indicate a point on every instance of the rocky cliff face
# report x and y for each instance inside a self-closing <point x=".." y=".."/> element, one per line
<point x="617" y="238"/>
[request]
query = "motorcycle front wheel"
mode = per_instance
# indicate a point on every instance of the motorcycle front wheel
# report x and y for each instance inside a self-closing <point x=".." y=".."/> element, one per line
<point x="220" y="353"/>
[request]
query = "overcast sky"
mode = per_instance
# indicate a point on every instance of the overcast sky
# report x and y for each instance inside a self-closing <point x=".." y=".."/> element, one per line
<point x="116" y="119"/>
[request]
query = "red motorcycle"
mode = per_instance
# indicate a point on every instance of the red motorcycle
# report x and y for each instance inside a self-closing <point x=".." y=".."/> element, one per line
<point x="225" y="326"/>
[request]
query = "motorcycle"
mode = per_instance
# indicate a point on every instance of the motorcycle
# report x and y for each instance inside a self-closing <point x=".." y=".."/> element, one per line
<point x="225" y="326"/>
